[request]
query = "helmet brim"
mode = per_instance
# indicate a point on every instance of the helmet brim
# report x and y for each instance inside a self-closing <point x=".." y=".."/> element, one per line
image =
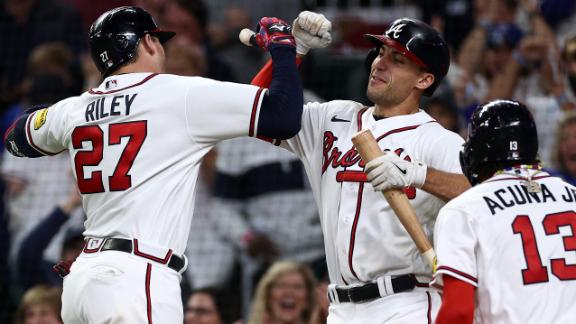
<point x="380" y="40"/>
<point x="163" y="35"/>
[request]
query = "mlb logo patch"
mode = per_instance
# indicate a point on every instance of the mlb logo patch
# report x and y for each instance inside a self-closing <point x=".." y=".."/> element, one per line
<point x="111" y="84"/>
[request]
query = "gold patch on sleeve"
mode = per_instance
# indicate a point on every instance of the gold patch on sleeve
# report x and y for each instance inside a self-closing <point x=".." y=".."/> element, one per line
<point x="40" y="118"/>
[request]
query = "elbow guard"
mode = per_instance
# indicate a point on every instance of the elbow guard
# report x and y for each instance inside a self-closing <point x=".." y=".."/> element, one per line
<point x="15" y="140"/>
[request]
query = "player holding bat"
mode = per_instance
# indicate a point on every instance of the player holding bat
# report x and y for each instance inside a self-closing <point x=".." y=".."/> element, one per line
<point x="376" y="272"/>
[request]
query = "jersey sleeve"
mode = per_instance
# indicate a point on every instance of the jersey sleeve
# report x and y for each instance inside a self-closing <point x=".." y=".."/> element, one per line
<point x="443" y="151"/>
<point x="45" y="129"/>
<point x="455" y="242"/>
<point x="217" y="110"/>
<point x="309" y="137"/>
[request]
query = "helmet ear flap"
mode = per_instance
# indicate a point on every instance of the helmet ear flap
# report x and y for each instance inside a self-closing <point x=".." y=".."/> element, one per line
<point x="370" y="58"/>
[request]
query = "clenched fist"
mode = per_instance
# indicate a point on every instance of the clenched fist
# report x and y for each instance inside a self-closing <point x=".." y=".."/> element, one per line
<point x="311" y="30"/>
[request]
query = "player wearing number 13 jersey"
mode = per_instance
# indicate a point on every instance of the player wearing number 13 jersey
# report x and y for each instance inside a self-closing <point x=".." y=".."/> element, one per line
<point x="136" y="143"/>
<point x="508" y="244"/>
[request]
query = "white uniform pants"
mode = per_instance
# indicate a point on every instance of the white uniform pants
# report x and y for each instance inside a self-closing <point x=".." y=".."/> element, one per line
<point x="419" y="306"/>
<point x="115" y="287"/>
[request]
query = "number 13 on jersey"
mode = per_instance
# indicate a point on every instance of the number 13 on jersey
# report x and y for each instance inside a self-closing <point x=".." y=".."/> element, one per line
<point x="119" y="179"/>
<point x="536" y="271"/>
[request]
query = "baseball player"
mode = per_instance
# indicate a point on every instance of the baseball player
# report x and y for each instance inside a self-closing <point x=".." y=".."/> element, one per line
<point x="136" y="143"/>
<point x="507" y="244"/>
<point x="376" y="273"/>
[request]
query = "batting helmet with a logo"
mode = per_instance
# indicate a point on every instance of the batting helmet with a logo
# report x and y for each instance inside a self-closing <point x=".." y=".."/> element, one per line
<point x="115" y="35"/>
<point x="417" y="41"/>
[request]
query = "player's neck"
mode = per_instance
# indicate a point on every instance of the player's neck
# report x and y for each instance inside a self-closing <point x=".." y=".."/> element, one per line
<point x="139" y="67"/>
<point x="386" y="111"/>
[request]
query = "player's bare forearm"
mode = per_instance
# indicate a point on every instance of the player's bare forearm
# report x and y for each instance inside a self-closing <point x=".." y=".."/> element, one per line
<point x="445" y="185"/>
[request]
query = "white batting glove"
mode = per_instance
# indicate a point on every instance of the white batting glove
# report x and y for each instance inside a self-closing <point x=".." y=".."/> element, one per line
<point x="390" y="171"/>
<point x="311" y="30"/>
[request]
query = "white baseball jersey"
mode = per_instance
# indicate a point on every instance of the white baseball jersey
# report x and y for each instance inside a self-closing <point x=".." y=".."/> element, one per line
<point x="136" y="143"/>
<point x="516" y="248"/>
<point x="363" y="237"/>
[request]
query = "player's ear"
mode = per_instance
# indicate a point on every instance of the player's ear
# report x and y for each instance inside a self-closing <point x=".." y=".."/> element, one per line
<point x="425" y="80"/>
<point x="148" y="44"/>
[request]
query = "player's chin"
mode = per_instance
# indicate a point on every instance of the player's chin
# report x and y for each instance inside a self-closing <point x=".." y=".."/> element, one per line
<point x="375" y="93"/>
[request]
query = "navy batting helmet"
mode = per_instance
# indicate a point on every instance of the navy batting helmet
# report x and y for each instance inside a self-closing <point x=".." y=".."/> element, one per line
<point x="501" y="133"/>
<point x="115" y="35"/>
<point x="417" y="41"/>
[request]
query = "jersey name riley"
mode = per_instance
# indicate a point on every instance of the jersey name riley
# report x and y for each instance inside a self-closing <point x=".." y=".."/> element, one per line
<point x="102" y="108"/>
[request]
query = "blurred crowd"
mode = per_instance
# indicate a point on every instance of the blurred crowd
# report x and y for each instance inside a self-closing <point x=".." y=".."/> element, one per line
<point x="255" y="248"/>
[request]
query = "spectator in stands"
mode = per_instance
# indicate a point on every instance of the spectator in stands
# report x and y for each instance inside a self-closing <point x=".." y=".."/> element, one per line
<point x="40" y="305"/>
<point x="204" y="307"/>
<point x="52" y="74"/>
<point x="453" y="18"/>
<point x="26" y="24"/>
<point x="485" y="52"/>
<point x="565" y="157"/>
<point x="245" y="61"/>
<point x="566" y="91"/>
<point x="185" y="60"/>
<point x="320" y="312"/>
<point x="499" y="59"/>
<point x="33" y="269"/>
<point x="285" y="294"/>
<point x="189" y="19"/>
<point x="444" y="113"/>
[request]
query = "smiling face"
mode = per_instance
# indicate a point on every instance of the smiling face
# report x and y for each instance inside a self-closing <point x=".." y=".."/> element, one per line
<point x="393" y="77"/>
<point x="288" y="298"/>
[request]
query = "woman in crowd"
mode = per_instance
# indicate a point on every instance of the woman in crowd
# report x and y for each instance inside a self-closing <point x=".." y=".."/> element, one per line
<point x="285" y="294"/>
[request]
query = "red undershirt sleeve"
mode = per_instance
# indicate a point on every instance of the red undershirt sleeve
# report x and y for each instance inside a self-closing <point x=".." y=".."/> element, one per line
<point x="457" y="302"/>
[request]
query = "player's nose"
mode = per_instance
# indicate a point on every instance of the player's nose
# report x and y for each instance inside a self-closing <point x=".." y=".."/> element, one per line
<point x="380" y="63"/>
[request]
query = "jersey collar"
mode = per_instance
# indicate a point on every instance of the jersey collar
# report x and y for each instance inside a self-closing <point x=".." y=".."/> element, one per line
<point x="116" y="83"/>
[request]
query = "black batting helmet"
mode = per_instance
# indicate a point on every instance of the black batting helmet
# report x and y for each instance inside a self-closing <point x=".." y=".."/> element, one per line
<point x="417" y="41"/>
<point x="501" y="132"/>
<point x="115" y="35"/>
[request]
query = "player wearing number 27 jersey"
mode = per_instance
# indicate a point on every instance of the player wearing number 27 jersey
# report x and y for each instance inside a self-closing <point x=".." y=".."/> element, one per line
<point x="136" y="143"/>
<point x="376" y="272"/>
<point x="510" y="241"/>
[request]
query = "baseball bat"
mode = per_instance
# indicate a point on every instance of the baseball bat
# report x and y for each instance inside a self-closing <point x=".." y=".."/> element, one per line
<point x="368" y="149"/>
<point x="248" y="37"/>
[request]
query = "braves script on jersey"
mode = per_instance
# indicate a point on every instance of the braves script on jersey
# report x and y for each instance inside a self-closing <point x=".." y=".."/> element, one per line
<point x="516" y="247"/>
<point x="136" y="144"/>
<point x="363" y="237"/>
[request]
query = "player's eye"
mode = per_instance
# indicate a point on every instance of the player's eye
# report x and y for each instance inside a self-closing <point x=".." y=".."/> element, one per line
<point x="398" y="58"/>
